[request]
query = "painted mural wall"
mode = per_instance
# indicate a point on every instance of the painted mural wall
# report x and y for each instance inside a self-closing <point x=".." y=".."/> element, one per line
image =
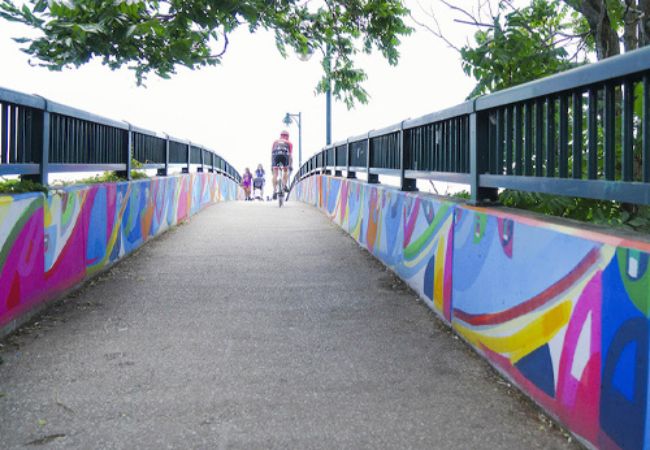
<point x="562" y="311"/>
<point x="50" y="244"/>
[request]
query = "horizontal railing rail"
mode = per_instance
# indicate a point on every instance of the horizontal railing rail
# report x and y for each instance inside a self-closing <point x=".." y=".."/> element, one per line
<point x="39" y="137"/>
<point x="584" y="132"/>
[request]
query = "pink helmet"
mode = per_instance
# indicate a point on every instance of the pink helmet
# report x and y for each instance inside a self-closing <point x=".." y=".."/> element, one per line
<point x="284" y="134"/>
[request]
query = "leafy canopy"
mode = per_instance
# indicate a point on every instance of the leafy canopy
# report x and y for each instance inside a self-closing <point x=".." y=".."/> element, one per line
<point x="519" y="45"/>
<point x="159" y="35"/>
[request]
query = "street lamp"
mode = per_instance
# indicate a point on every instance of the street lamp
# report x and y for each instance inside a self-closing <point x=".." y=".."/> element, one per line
<point x="328" y="102"/>
<point x="288" y="118"/>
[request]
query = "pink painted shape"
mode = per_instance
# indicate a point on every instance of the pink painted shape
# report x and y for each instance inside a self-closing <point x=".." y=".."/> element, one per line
<point x="182" y="211"/>
<point x="576" y="402"/>
<point x="410" y="221"/>
<point x="21" y="278"/>
<point x="70" y="265"/>
<point x="580" y="399"/>
<point x="344" y="202"/>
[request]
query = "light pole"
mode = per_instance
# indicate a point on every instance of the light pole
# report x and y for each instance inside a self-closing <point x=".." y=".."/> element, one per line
<point x="288" y="118"/>
<point x="328" y="102"/>
<point x="328" y="93"/>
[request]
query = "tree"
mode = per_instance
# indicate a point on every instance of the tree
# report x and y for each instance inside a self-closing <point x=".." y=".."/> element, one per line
<point x="613" y="21"/>
<point x="515" y="44"/>
<point x="159" y="35"/>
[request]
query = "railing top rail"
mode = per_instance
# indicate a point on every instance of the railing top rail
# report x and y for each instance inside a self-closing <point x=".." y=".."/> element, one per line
<point x="359" y="138"/>
<point x="581" y="77"/>
<point x="144" y="131"/>
<point x="386" y="130"/>
<point x="64" y="110"/>
<point x="18" y="98"/>
<point x="438" y="116"/>
<point x="178" y="140"/>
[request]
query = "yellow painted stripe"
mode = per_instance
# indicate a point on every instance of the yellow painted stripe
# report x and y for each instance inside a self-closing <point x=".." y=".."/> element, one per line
<point x="519" y="344"/>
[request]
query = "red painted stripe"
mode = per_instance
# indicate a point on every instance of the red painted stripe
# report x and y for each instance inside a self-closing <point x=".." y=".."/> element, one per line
<point x="534" y="302"/>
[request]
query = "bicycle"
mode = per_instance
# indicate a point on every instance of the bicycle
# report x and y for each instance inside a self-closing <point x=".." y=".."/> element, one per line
<point x="280" y="185"/>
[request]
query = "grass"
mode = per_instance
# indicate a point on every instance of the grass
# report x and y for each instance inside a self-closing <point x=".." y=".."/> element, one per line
<point x="601" y="212"/>
<point x="20" y="186"/>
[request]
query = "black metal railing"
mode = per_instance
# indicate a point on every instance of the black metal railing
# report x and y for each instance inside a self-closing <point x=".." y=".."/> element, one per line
<point x="38" y="137"/>
<point x="583" y="133"/>
<point x="341" y="155"/>
<point x="149" y="149"/>
<point x="358" y="153"/>
<point x="17" y="133"/>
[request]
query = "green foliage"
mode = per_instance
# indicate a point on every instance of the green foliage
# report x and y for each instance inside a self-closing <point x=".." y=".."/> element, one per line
<point x="106" y="177"/>
<point x="462" y="194"/>
<point x="613" y="214"/>
<point x="136" y="170"/>
<point x="518" y="46"/>
<point x="20" y="186"/>
<point x="159" y="35"/>
<point x="114" y="177"/>
<point x="138" y="175"/>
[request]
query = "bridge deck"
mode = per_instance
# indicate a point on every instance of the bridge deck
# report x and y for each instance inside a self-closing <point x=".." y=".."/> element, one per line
<point x="253" y="327"/>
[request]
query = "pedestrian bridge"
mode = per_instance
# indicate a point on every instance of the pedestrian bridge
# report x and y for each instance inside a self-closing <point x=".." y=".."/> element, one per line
<point x="244" y="325"/>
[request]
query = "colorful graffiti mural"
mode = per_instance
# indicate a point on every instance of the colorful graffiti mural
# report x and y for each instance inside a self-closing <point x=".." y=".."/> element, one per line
<point x="50" y="244"/>
<point x="563" y="312"/>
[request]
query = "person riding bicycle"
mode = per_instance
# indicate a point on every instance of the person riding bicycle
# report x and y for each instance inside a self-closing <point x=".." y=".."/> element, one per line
<point x="281" y="156"/>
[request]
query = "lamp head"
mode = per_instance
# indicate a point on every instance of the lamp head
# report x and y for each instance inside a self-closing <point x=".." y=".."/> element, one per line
<point x="305" y="53"/>
<point x="287" y="119"/>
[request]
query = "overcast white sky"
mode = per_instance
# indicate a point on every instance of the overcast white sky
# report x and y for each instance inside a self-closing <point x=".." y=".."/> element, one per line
<point x="237" y="108"/>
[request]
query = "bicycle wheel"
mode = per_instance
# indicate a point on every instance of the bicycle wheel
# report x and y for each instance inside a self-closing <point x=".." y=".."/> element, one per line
<point x="280" y="187"/>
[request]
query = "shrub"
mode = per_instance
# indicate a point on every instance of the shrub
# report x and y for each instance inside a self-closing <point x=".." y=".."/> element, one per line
<point x="20" y="186"/>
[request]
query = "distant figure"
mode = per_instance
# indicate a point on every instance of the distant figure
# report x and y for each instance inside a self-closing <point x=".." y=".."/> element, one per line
<point x="246" y="181"/>
<point x="258" y="183"/>
<point x="281" y="152"/>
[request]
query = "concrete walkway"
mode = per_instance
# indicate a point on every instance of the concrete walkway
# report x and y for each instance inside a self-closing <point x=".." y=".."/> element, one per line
<point x="254" y="327"/>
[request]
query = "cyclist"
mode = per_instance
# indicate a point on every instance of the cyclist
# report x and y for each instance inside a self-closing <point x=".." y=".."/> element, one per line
<point x="281" y="152"/>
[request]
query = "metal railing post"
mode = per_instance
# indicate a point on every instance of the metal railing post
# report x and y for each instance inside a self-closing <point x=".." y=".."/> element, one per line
<point x="372" y="178"/>
<point x="348" y="153"/>
<point x="44" y="163"/>
<point x="40" y="139"/>
<point x="326" y="152"/>
<point x="319" y="163"/>
<point x="186" y="169"/>
<point x="406" y="184"/>
<point x="165" y="170"/>
<point x="478" y="141"/>
<point x="337" y="172"/>
<point x="128" y="153"/>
